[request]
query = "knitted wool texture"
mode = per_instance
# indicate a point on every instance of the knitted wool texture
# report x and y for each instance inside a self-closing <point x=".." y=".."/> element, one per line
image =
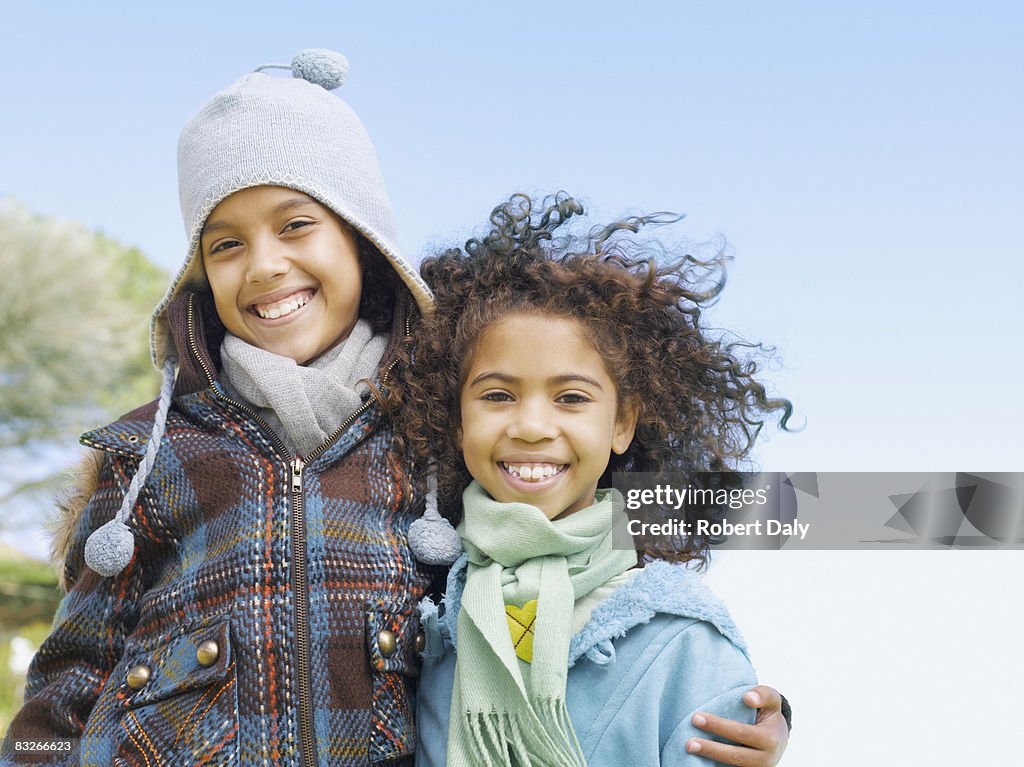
<point x="308" y="402"/>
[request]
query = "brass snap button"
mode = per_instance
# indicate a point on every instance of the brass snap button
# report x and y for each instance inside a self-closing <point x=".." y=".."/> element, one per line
<point x="138" y="676"/>
<point x="207" y="653"/>
<point x="420" y="644"/>
<point x="387" y="643"/>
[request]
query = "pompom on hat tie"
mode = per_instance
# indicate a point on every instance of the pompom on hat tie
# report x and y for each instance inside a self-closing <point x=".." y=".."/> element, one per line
<point x="432" y="538"/>
<point x="110" y="548"/>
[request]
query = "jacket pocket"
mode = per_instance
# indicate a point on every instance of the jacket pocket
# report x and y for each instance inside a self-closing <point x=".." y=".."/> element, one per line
<point x="395" y="641"/>
<point x="181" y="704"/>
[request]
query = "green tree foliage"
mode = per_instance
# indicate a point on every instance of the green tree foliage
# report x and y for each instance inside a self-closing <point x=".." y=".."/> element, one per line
<point x="28" y="593"/>
<point x="28" y="599"/>
<point x="74" y="314"/>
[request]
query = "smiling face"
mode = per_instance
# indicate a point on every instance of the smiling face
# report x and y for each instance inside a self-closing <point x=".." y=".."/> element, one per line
<point x="539" y="414"/>
<point x="284" y="271"/>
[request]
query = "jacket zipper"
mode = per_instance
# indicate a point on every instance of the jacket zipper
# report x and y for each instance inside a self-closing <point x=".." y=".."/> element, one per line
<point x="300" y="586"/>
<point x="307" y="737"/>
<point x="300" y="581"/>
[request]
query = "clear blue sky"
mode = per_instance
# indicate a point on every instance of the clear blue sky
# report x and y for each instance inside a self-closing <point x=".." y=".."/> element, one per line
<point x="864" y="160"/>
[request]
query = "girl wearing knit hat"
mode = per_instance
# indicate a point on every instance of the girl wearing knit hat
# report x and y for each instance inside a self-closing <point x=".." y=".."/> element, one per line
<point x="240" y="584"/>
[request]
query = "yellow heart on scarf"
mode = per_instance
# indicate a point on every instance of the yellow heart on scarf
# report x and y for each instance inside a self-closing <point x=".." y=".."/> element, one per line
<point x="520" y="625"/>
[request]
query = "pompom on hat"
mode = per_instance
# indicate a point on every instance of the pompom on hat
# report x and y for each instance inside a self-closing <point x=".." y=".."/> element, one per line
<point x="293" y="132"/>
<point x="262" y="131"/>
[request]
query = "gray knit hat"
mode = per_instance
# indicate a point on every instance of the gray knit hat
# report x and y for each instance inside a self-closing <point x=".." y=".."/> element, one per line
<point x="277" y="131"/>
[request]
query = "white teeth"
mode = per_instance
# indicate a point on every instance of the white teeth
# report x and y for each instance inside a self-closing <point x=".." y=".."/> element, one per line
<point x="532" y="472"/>
<point x="282" y="308"/>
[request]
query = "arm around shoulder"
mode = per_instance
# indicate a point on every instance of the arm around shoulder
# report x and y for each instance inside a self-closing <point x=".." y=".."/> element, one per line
<point x="718" y="674"/>
<point x="728" y="704"/>
<point x="638" y="707"/>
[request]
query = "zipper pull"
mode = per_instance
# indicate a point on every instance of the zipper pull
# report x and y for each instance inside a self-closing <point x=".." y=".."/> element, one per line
<point x="297" y="467"/>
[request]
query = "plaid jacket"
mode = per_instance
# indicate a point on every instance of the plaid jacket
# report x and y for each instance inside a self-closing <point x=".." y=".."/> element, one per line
<point x="268" y="616"/>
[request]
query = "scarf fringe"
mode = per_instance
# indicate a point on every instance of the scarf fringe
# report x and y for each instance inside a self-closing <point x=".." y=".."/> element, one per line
<point x="498" y="741"/>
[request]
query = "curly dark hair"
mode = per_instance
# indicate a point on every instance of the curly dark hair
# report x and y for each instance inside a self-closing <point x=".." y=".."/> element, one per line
<point x="699" y="406"/>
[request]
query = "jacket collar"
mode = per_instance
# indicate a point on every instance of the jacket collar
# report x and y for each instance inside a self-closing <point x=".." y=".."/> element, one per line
<point x="197" y="333"/>
<point x="660" y="587"/>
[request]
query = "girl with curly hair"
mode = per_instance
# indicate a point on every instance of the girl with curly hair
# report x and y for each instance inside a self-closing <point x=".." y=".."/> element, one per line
<point x="549" y="363"/>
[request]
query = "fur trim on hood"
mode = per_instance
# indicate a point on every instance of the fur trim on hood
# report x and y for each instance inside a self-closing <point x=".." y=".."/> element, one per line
<point x="71" y="502"/>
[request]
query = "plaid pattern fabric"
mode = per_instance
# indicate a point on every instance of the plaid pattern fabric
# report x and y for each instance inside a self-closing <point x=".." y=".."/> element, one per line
<point x="214" y="561"/>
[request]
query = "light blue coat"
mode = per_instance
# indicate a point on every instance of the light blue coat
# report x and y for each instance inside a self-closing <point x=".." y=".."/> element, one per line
<point x="659" y="649"/>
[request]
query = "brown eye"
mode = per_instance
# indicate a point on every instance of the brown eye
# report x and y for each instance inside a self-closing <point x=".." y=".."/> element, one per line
<point x="224" y="245"/>
<point x="572" y="399"/>
<point x="496" y="396"/>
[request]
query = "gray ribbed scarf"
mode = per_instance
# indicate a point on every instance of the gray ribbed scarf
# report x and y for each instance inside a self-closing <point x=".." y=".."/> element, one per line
<point x="308" y="402"/>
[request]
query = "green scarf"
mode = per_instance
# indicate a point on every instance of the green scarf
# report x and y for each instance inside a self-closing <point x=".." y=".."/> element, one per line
<point x="506" y="711"/>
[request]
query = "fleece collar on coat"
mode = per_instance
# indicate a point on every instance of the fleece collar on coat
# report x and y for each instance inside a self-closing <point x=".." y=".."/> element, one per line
<point x="660" y="587"/>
